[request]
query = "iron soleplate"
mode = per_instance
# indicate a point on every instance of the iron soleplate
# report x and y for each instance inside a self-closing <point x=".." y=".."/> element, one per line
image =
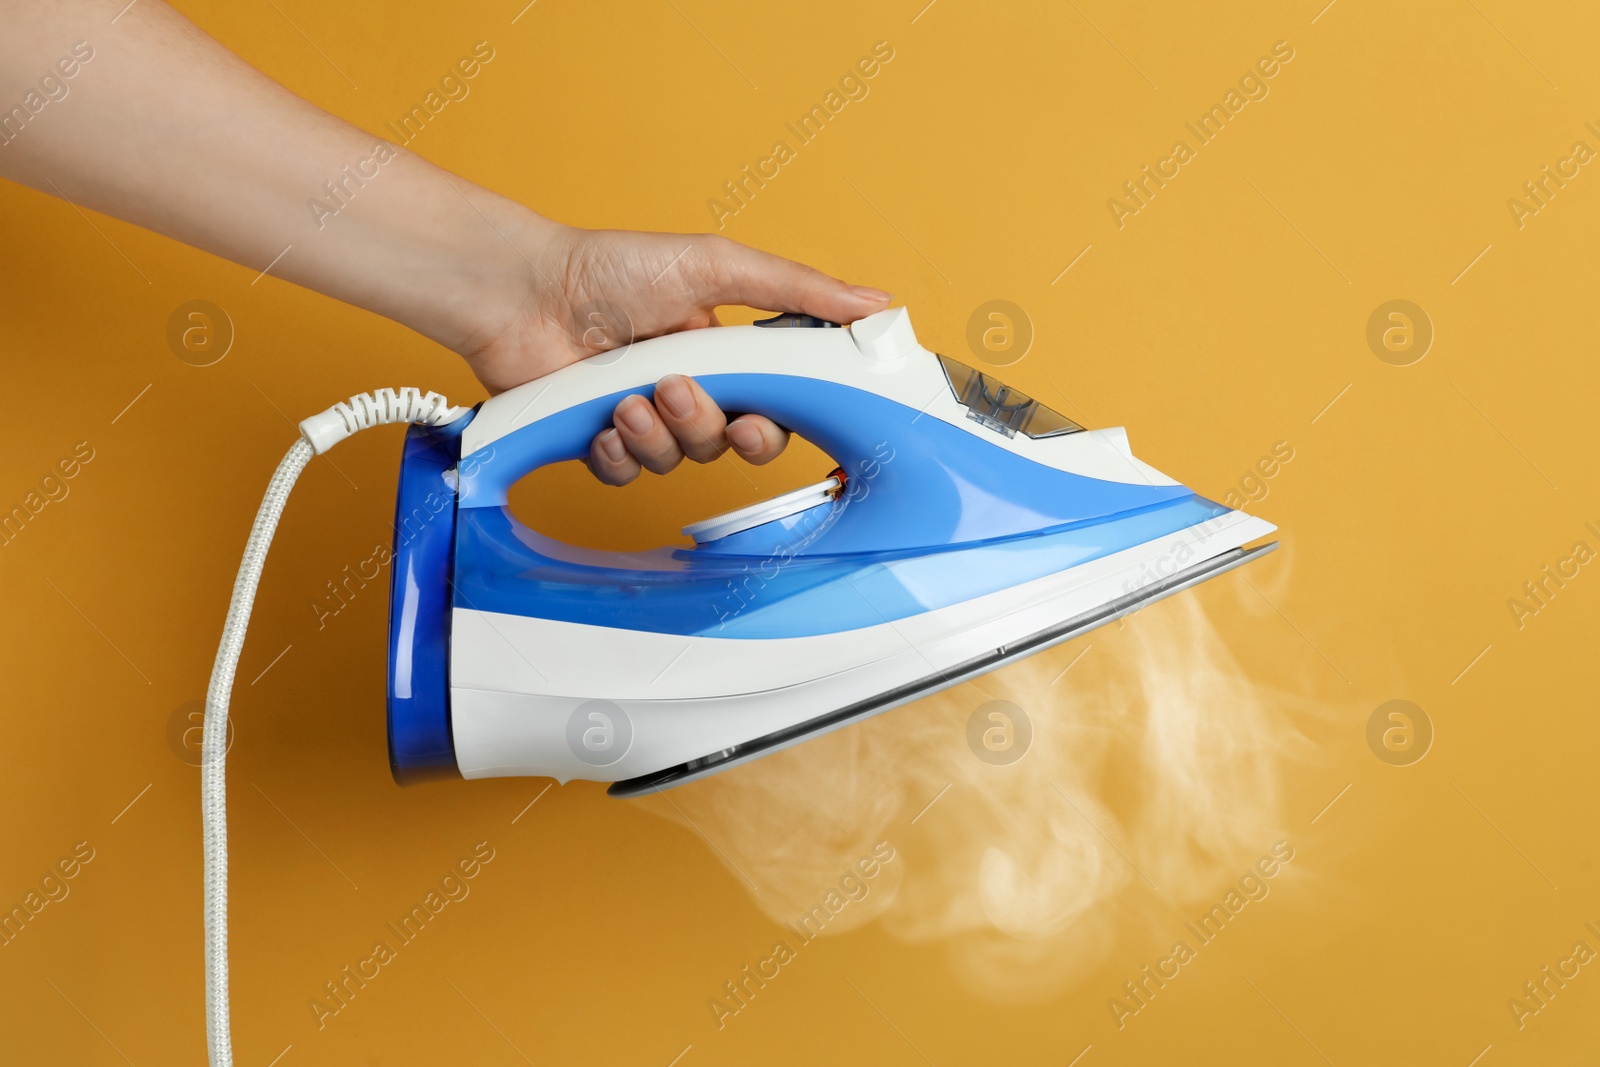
<point x="1111" y="611"/>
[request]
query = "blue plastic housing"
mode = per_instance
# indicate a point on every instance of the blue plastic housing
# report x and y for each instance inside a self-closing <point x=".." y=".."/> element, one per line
<point x="933" y="515"/>
<point x="420" y="742"/>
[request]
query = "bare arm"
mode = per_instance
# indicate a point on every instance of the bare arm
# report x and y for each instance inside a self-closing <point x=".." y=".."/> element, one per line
<point x="152" y="121"/>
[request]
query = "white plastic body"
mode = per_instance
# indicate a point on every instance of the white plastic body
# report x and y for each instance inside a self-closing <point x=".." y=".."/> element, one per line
<point x="515" y="680"/>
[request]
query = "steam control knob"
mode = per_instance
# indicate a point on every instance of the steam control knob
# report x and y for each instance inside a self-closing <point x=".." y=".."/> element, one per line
<point x="885" y="338"/>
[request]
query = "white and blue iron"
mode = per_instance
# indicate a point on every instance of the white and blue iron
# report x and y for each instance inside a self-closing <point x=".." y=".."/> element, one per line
<point x="966" y="525"/>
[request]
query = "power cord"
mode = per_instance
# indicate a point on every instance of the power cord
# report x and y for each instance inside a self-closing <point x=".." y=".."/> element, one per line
<point x="318" y="434"/>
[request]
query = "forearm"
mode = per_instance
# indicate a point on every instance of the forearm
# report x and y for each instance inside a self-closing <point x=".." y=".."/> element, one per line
<point x="153" y="106"/>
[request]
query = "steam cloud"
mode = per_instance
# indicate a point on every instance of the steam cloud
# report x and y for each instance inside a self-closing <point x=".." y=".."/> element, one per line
<point x="1151" y="781"/>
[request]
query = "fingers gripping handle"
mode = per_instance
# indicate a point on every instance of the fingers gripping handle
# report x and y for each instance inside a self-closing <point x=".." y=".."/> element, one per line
<point x="828" y="385"/>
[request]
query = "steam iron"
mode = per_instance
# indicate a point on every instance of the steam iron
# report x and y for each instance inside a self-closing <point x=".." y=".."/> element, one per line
<point x="965" y="526"/>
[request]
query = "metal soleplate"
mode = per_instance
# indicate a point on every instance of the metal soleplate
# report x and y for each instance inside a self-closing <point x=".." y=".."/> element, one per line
<point x="1027" y="646"/>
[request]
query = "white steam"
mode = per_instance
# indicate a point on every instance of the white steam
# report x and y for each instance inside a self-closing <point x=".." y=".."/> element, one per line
<point x="1151" y="780"/>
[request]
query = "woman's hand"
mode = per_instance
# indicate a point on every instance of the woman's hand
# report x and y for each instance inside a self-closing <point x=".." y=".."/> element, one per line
<point x="169" y="130"/>
<point x="593" y="290"/>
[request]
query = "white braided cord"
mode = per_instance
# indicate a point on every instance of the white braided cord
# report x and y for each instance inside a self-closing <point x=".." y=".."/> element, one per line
<point x="319" y="433"/>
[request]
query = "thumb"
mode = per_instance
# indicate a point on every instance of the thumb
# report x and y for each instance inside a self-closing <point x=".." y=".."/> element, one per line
<point x="743" y="275"/>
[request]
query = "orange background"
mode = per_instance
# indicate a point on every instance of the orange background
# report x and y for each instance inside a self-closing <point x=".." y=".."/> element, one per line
<point x="1222" y="318"/>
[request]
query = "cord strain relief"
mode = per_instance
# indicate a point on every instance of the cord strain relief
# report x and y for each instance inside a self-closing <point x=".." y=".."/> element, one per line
<point x="381" y="407"/>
